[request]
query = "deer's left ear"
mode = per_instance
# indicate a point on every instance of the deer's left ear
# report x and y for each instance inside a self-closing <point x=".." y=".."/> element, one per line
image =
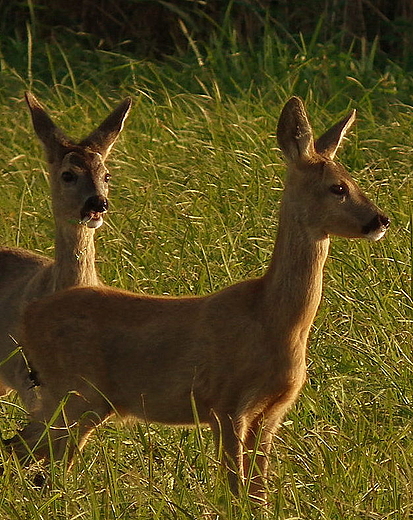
<point x="328" y="143"/>
<point x="103" y="138"/>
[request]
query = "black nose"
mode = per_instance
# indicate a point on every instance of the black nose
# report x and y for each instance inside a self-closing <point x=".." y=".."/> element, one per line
<point x="384" y="221"/>
<point x="97" y="203"/>
<point x="380" y="221"/>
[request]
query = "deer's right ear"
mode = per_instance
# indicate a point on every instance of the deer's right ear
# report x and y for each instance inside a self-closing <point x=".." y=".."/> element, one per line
<point x="294" y="132"/>
<point x="103" y="138"/>
<point x="53" y="139"/>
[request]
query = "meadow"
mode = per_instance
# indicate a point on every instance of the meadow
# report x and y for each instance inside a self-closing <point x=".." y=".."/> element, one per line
<point x="196" y="183"/>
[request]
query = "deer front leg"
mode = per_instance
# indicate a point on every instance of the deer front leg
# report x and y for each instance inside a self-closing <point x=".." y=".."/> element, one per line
<point x="228" y="444"/>
<point x="38" y="442"/>
<point x="57" y="429"/>
<point x="259" y="431"/>
<point x="4" y="389"/>
<point x="257" y="447"/>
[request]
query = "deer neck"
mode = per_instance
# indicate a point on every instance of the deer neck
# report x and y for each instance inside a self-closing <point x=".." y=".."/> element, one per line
<point x="74" y="257"/>
<point x="294" y="279"/>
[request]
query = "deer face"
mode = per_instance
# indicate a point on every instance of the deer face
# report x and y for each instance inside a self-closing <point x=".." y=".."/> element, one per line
<point x="326" y="199"/>
<point x="78" y="176"/>
<point x="335" y="205"/>
<point x="80" y="184"/>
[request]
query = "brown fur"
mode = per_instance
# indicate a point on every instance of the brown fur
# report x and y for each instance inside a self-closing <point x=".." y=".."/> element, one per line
<point x="25" y="276"/>
<point x="238" y="354"/>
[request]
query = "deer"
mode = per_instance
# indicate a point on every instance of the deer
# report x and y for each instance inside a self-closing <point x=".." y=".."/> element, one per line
<point x="234" y="360"/>
<point x="79" y="187"/>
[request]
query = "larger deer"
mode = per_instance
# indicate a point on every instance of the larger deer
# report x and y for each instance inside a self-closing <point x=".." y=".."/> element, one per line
<point x="236" y="357"/>
<point x="79" y="186"/>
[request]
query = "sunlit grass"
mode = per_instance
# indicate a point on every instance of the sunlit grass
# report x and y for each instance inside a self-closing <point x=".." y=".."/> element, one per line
<point x="196" y="182"/>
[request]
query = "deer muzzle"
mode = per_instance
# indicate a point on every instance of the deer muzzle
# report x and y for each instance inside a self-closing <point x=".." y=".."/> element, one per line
<point x="92" y="212"/>
<point x="377" y="227"/>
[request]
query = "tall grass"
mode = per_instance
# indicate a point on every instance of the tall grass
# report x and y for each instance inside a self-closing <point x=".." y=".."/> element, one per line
<point x="197" y="178"/>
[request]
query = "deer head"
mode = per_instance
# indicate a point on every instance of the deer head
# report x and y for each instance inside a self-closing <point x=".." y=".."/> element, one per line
<point x="78" y="175"/>
<point x="325" y="198"/>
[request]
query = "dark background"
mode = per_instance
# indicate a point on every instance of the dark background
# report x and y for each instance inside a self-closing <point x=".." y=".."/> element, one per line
<point x="151" y="28"/>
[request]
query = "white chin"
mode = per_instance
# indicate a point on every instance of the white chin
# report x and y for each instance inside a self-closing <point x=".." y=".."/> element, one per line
<point x="94" y="224"/>
<point x="376" y="235"/>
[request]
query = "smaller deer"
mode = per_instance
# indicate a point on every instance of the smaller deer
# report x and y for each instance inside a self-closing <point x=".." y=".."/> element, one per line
<point x="79" y="186"/>
<point x="237" y="356"/>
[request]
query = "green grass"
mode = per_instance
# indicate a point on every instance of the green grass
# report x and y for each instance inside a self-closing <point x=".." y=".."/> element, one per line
<point x="197" y="179"/>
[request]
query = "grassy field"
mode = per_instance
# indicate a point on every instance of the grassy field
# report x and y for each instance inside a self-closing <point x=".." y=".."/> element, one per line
<point x="197" y="178"/>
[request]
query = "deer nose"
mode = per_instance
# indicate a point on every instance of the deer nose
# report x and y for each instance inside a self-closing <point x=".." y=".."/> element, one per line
<point x="380" y="221"/>
<point x="97" y="204"/>
<point x="384" y="221"/>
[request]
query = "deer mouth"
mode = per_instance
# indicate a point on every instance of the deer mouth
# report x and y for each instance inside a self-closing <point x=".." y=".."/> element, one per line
<point x="377" y="227"/>
<point x="93" y="219"/>
<point x="91" y="215"/>
<point x="376" y="235"/>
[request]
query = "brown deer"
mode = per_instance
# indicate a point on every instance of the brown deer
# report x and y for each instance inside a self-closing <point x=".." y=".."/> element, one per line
<point x="235" y="360"/>
<point x="79" y="186"/>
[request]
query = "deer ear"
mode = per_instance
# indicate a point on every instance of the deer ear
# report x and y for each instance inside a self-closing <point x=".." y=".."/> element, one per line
<point x="54" y="140"/>
<point x="328" y="143"/>
<point x="294" y="132"/>
<point x="103" y="138"/>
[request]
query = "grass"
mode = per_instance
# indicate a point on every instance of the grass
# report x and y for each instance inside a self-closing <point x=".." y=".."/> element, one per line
<point x="197" y="179"/>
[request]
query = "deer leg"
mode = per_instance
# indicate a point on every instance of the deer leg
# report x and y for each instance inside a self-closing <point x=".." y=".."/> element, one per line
<point x="4" y="389"/>
<point x="227" y="436"/>
<point x="38" y="441"/>
<point x="58" y="433"/>
<point x="257" y="447"/>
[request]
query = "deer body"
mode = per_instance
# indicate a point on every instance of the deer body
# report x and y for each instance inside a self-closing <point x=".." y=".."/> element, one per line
<point x="238" y="355"/>
<point x="78" y="179"/>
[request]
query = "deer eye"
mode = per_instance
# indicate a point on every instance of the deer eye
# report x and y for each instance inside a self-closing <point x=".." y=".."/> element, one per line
<point x="68" y="176"/>
<point x="108" y="177"/>
<point x="339" y="189"/>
